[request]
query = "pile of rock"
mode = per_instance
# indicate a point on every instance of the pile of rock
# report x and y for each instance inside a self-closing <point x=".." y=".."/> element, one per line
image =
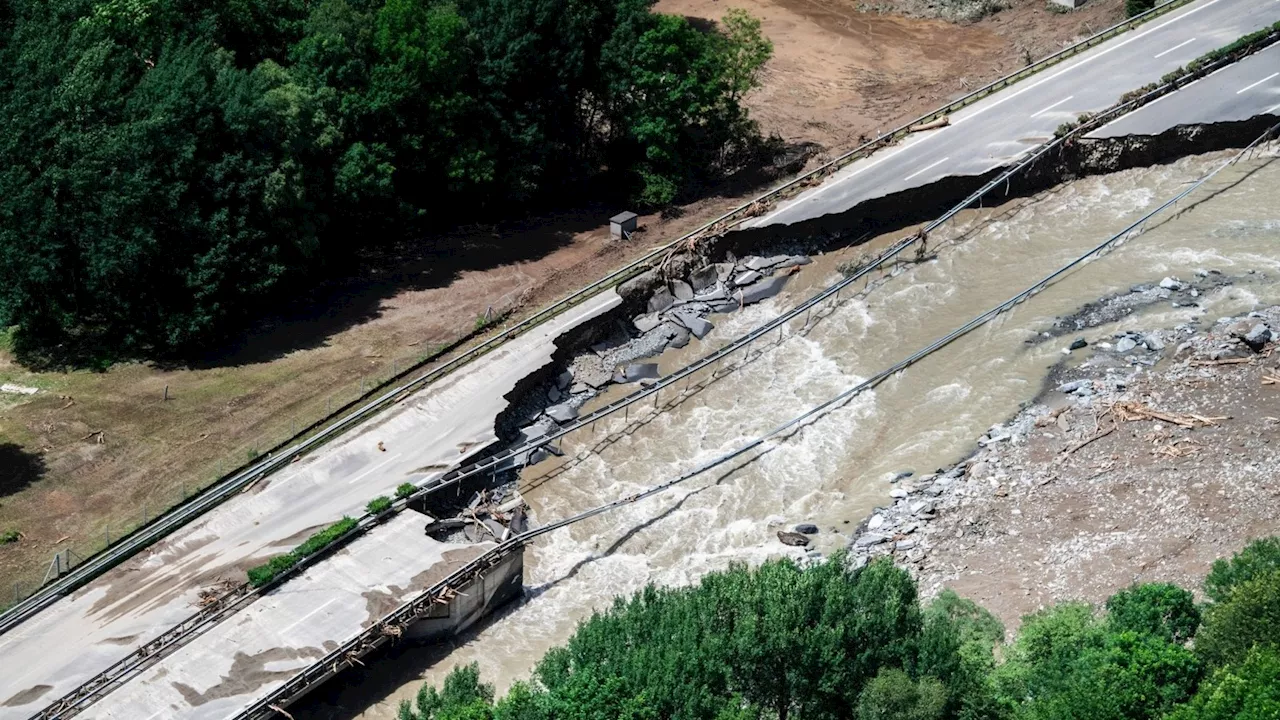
<point x="907" y="528"/>
<point x="1241" y="337"/>
<point x="896" y="528"/>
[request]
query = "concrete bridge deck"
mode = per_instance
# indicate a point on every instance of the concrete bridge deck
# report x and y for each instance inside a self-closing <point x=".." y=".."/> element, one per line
<point x="245" y="657"/>
<point x="430" y="432"/>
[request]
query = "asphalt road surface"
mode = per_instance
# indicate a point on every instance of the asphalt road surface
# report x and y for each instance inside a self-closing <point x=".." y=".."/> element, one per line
<point x="439" y="427"/>
<point x="1240" y="91"/>
<point x="994" y="132"/>
<point x="433" y="430"/>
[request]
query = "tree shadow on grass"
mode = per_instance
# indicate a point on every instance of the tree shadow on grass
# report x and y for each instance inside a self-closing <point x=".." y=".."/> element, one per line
<point x="302" y="318"/>
<point x="19" y="469"/>
<point x="417" y="264"/>
<point x="358" y="296"/>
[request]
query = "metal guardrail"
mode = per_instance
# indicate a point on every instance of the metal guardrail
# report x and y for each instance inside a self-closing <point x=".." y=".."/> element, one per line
<point x="393" y="624"/>
<point x="215" y="494"/>
<point x="241" y="595"/>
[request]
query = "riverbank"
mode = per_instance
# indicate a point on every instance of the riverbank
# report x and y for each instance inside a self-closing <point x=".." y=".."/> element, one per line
<point x="91" y="455"/>
<point x="1147" y="456"/>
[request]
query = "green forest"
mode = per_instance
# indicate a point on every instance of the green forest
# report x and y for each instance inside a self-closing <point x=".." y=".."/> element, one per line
<point x="827" y="643"/>
<point x="168" y="167"/>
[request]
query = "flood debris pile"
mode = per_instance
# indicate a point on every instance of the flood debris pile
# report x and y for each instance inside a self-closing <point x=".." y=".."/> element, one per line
<point x="675" y="310"/>
<point x="494" y="514"/>
<point x="1143" y="463"/>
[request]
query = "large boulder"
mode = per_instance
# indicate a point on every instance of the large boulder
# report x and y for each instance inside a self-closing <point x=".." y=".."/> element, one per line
<point x="680" y="337"/>
<point x="792" y="538"/>
<point x="1257" y="337"/>
<point x="640" y="371"/>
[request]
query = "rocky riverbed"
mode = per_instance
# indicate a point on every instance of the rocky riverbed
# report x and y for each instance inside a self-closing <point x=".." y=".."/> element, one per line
<point x="1147" y="456"/>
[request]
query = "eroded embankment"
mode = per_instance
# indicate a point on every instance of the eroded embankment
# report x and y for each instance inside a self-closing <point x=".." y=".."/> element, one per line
<point x="616" y="340"/>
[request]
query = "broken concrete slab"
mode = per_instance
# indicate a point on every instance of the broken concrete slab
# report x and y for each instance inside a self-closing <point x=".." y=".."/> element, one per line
<point x="562" y="413"/>
<point x="704" y="278"/>
<point x="699" y="327"/>
<point x="531" y="433"/>
<point x="640" y="371"/>
<point x="713" y="293"/>
<point x="762" y="290"/>
<point x="647" y="322"/>
<point x="746" y="278"/>
<point x="724" y="271"/>
<point x="662" y="300"/>
<point x="682" y="314"/>
<point x="681" y="290"/>
<point x="793" y="261"/>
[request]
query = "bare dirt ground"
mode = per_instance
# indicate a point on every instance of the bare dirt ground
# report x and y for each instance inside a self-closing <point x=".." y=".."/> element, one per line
<point x="94" y="454"/>
<point x="838" y="73"/>
<point x="1122" y="472"/>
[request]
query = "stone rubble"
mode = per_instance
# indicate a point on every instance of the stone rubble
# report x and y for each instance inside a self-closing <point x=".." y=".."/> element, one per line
<point x="939" y="508"/>
<point x="676" y="312"/>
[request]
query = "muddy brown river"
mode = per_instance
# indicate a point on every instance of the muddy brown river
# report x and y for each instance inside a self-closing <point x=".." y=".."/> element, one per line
<point x="836" y="470"/>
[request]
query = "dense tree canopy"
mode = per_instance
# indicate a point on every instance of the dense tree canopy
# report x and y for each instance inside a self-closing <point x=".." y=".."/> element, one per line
<point x="824" y="641"/>
<point x="167" y="164"/>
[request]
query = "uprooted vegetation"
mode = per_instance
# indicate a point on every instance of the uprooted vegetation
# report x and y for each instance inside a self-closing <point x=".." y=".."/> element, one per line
<point x="281" y="564"/>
